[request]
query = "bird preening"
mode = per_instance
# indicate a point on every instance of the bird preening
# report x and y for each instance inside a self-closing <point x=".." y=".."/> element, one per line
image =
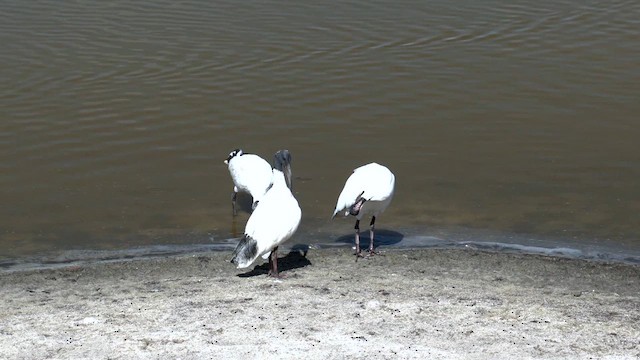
<point x="251" y="174"/>
<point x="276" y="214"/>
<point x="368" y="191"/>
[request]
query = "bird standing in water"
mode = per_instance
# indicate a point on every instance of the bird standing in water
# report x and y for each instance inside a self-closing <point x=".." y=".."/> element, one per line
<point x="250" y="174"/>
<point x="368" y="191"/>
<point x="274" y="220"/>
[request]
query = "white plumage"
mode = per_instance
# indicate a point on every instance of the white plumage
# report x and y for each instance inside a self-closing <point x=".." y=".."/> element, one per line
<point x="274" y="220"/>
<point x="368" y="191"/>
<point x="250" y="173"/>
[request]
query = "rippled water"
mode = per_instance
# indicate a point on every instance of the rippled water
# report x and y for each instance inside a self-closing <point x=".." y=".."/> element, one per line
<point x="518" y="118"/>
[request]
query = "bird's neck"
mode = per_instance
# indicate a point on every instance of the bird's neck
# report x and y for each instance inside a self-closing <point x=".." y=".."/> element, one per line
<point x="278" y="179"/>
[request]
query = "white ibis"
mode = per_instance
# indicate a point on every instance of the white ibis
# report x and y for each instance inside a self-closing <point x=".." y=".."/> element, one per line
<point x="368" y="191"/>
<point x="250" y="174"/>
<point x="273" y="221"/>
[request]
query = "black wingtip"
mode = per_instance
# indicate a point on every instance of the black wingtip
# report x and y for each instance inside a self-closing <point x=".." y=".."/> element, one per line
<point x="246" y="250"/>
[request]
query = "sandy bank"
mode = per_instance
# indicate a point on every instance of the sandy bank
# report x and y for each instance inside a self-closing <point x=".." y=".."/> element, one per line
<point x="436" y="304"/>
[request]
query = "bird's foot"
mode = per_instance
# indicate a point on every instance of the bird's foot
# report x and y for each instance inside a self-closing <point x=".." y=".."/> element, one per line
<point x="276" y="275"/>
<point x="359" y="255"/>
<point x="372" y="252"/>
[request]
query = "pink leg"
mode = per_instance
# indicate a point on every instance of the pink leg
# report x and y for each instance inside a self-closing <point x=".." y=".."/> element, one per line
<point x="273" y="265"/>
<point x="371" y="234"/>
<point x="358" y="251"/>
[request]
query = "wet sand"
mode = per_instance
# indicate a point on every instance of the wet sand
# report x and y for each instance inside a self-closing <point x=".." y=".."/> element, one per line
<point x="436" y="304"/>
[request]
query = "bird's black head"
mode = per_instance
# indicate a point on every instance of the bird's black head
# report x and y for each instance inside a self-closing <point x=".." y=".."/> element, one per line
<point x="282" y="162"/>
<point x="234" y="153"/>
<point x="281" y="159"/>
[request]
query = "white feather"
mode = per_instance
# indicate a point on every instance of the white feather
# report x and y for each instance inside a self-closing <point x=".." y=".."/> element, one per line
<point x="373" y="182"/>
<point x="274" y="220"/>
<point x="251" y="174"/>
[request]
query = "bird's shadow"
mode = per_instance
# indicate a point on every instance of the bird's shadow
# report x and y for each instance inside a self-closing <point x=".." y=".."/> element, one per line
<point x="381" y="237"/>
<point x="295" y="259"/>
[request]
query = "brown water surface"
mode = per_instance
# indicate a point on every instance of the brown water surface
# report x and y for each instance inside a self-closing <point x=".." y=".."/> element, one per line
<point x="516" y="117"/>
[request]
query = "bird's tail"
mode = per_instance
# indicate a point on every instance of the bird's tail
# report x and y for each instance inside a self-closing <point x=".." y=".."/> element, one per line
<point x="246" y="252"/>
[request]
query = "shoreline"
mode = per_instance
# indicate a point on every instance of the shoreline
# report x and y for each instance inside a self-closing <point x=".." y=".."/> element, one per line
<point x="321" y="239"/>
<point x="409" y="303"/>
<point x="82" y="257"/>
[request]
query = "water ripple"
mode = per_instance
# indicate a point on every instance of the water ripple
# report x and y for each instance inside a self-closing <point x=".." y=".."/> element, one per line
<point x="97" y="97"/>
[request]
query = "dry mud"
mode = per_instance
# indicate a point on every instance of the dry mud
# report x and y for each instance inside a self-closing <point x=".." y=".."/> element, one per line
<point x="422" y="304"/>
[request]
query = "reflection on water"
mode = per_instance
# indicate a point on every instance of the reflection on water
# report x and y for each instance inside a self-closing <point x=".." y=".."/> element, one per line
<point x="516" y="117"/>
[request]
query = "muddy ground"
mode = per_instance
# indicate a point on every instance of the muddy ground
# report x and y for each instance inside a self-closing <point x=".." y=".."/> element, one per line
<point x="422" y="304"/>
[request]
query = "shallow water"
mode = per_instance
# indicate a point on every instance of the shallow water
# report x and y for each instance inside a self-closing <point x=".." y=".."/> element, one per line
<point x="513" y="118"/>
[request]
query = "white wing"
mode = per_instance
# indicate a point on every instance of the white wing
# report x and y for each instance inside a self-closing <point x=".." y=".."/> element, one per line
<point x="252" y="174"/>
<point x="373" y="182"/>
<point x="275" y="219"/>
